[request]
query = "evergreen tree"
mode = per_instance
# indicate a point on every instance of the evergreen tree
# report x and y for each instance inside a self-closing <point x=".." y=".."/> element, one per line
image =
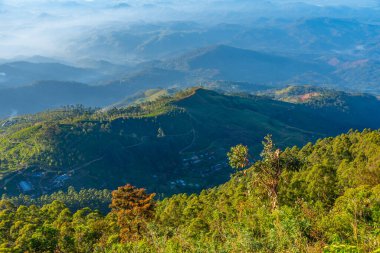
<point x="134" y="208"/>
<point x="267" y="171"/>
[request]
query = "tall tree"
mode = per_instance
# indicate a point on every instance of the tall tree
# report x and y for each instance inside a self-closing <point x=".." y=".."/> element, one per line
<point x="267" y="171"/>
<point x="134" y="208"/>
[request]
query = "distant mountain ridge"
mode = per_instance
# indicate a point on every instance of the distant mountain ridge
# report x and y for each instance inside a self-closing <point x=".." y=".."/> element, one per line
<point x="23" y="73"/>
<point x="228" y="63"/>
<point x="44" y="95"/>
<point x="204" y="66"/>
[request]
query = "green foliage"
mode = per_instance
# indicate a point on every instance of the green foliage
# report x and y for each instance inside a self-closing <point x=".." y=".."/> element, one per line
<point x="314" y="211"/>
<point x="326" y="195"/>
<point x="133" y="208"/>
<point x="238" y="157"/>
<point x="318" y="211"/>
<point x="45" y="229"/>
<point x="340" y="249"/>
<point x="74" y="200"/>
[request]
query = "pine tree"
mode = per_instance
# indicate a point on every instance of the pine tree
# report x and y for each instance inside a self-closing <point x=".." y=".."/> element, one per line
<point x="134" y="208"/>
<point x="267" y="171"/>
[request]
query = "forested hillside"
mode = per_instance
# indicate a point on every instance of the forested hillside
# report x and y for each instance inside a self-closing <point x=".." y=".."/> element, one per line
<point x="170" y="144"/>
<point x="321" y="197"/>
<point x="360" y="106"/>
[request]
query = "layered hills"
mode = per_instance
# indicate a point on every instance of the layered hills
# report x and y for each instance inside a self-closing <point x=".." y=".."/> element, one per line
<point x="21" y="73"/>
<point x="172" y="143"/>
<point x="204" y="66"/>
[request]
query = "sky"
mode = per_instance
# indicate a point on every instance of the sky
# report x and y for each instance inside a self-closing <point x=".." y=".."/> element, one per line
<point x="352" y="3"/>
<point x="46" y="27"/>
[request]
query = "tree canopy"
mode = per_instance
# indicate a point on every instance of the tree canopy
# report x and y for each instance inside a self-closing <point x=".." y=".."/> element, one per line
<point x="327" y="200"/>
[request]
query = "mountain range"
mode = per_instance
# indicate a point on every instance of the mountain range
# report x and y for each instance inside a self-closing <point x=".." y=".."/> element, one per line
<point x="201" y="67"/>
<point x="166" y="142"/>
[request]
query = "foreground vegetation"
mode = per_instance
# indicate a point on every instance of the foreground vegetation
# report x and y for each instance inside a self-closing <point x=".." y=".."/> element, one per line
<point x="322" y="197"/>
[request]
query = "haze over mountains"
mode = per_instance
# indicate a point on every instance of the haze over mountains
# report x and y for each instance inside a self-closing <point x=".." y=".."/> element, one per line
<point x="337" y="51"/>
<point x="126" y="36"/>
<point x="32" y="87"/>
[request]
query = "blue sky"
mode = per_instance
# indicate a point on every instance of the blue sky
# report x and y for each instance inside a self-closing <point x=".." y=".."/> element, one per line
<point x="353" y="3"/>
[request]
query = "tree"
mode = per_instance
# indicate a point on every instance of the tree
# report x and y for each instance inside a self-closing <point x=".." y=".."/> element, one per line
<point x="267" y="171"/>
<point x="238" y="157"/>
<point x="270" y="169"/>
<point x="45" y="239"/>
<point x="134" y="208"/>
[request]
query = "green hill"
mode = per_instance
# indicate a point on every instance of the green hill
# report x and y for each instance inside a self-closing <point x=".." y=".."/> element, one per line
<point x="360" y="107"/>
<point x="328" y="201"/>
<point x="169" y="145"/>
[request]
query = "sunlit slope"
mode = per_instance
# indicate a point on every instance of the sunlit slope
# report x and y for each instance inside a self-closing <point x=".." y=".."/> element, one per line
<point x="173" y="144"/>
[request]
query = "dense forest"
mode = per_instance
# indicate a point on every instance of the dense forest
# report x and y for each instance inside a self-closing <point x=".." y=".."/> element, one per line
<point x="321" y="197"/>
